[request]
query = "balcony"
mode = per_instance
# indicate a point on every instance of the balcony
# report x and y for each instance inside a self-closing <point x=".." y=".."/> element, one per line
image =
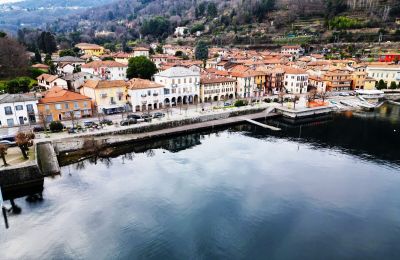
<point x="155" y="94"/>
<point x="103" y="95"/>
<point x="143" y="95"/>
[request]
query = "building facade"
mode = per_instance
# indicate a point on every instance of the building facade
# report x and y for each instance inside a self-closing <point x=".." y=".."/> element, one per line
<point x="106" y="70"/>
<point x="108" y="96"/>
<point x="182" y="85"/>
<point x="59" y="104"/>
<point x="18" y="109"/>
<point x="145" y="95"/>
<point x="296" y="80"/>
<point x="217" y="88"/>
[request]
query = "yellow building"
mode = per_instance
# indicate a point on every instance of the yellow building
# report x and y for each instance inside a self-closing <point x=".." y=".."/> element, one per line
<point x="108" y="96"/>
<point x="90" y="49"/>
<point x="369" y="83"/>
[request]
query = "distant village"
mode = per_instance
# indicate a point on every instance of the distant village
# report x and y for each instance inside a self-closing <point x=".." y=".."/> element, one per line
<point x="96" y="82"/>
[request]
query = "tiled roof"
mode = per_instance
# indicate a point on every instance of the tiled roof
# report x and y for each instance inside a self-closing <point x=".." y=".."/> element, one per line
<point x="212" y="80"/>
<point x="97" y="84"/>
<point x="68" y="59"/>
<point x="100" y="64"/>
<point x="143" y="84"/>
<point x="47" y="77"/>
<point x="57" y="94"/>
<point x="40" y="66"/>
<point x="11" y="98"/>
<point x="177" y="72"/>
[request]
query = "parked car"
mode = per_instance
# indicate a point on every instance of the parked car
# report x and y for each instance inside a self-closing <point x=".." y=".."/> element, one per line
<point x="158" y="115"/>
<point x="147" y="117"/>
<point x="9" y="143"/>
<point x="38" y="129"/>
<point x="133" y="116"/>
<point x="128" y="122"/>
<point x="227" y="104"/>
<point x="344" y="94"/>
<point x="89" y="124"/>
<point x="106" y="122"/>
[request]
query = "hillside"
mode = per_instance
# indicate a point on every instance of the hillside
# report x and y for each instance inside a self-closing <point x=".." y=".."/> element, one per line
<point x="37" y="13"/>
<point x="240" y="22"/>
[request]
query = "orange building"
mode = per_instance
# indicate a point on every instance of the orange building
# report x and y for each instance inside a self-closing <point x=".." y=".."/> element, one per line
<point x="60" y="104"/>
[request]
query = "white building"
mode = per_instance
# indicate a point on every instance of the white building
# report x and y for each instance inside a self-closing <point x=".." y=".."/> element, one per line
<point x="296" y="80"/>
<point x="65" y="69"/>
<point x="387" y="73"/>
<point x="141" y="51"/>
<point x="107" y="70"/>
<point x="182" y="85"/>
<point x="18" y="109"/>
<point x="180" y="31"/>
<point x="295" y="50"/>
<point x="145" y="95"/>
<point x="48" y="81"/>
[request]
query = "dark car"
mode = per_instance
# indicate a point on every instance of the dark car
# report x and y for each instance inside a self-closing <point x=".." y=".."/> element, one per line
<point x="147" y="117"/>
<point x="106" y="122"/>
<point x="128" y="122"/>
<point x="158" y="115"/>
<point x="133" y="116"/>
<point x="37" y="129"/>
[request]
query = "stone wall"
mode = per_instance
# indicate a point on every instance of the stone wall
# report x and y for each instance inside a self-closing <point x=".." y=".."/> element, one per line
<point x="13" y="176"/>
<point x="120" y="136"/>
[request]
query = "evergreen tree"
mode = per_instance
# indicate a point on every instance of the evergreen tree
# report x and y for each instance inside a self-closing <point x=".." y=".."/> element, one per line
<point x="393" y="85"/>
<point x="47" y="42"/>
<point x="141" y="67"/>
<point x="201" y="52"/>
<point x="38" y="56"/>
<point x="381" y="85"/>
<point x="212" y="10"/>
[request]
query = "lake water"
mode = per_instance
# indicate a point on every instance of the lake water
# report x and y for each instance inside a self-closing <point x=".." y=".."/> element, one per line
<point x="317" y="190"/>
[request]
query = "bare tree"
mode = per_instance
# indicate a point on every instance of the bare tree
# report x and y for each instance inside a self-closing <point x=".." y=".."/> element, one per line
<point x="281" y="95"/>
<point x="167" y="110"/>
<point x="24" y="140"/>
<point x="14" y="61"/>
<point x="324" y="95"/>
<point x="295" y="99"/>
<point x="43" y="120"/>
<point x="3" y="153"/>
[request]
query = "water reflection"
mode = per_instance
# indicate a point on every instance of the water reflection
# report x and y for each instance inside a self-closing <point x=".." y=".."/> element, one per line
<point x="242" y="193"/>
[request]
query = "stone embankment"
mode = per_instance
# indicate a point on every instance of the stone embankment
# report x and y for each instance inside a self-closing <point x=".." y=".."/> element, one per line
<point x="145" y="132"/>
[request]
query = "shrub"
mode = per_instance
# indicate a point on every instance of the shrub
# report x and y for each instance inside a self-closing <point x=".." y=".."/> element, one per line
<point x="240" y="103"/>
<point x="267" y="100"/>
<point x="276" y="100"/>
<point x="56" y="126"/>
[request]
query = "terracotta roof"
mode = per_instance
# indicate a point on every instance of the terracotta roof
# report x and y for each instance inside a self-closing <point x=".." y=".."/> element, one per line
<point x="123" y="55"/>
<point x="212" y="80"/>
<point x="88" y="46"/>
<point x="292" y="70"/>
<point x="57" y="94"/>
<point x="40" y="66"/>
<point x="100" y="64"/>
<point x="97" y="84"/>
<point x="47" y="77"/>
<point x="291" y="47"/>
<point x="140" y="49"/>
<point x="143" y="84"/>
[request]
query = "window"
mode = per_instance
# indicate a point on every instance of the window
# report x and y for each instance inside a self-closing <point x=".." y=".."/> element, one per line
<point x="19" y="107"/>
<point x="8" y="110"/>
<point x="47" y="107"/>
<point x="85" y="104"/>
<point x="58" y="106"/>
<point x="76" y="105"/>
<point x="66" y="106"/>
<point x="29" y="107"/>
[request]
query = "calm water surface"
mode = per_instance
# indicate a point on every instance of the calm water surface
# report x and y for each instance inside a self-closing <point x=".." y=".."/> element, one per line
<point x="325" y="190"/>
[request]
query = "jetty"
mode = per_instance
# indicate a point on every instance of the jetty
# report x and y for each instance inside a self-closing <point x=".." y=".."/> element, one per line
<point x="273" y="128"/>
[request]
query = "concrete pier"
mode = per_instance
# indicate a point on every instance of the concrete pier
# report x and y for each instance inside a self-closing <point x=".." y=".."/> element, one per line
<point x="273" y="128"/>
<point x="47" y="159"/>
